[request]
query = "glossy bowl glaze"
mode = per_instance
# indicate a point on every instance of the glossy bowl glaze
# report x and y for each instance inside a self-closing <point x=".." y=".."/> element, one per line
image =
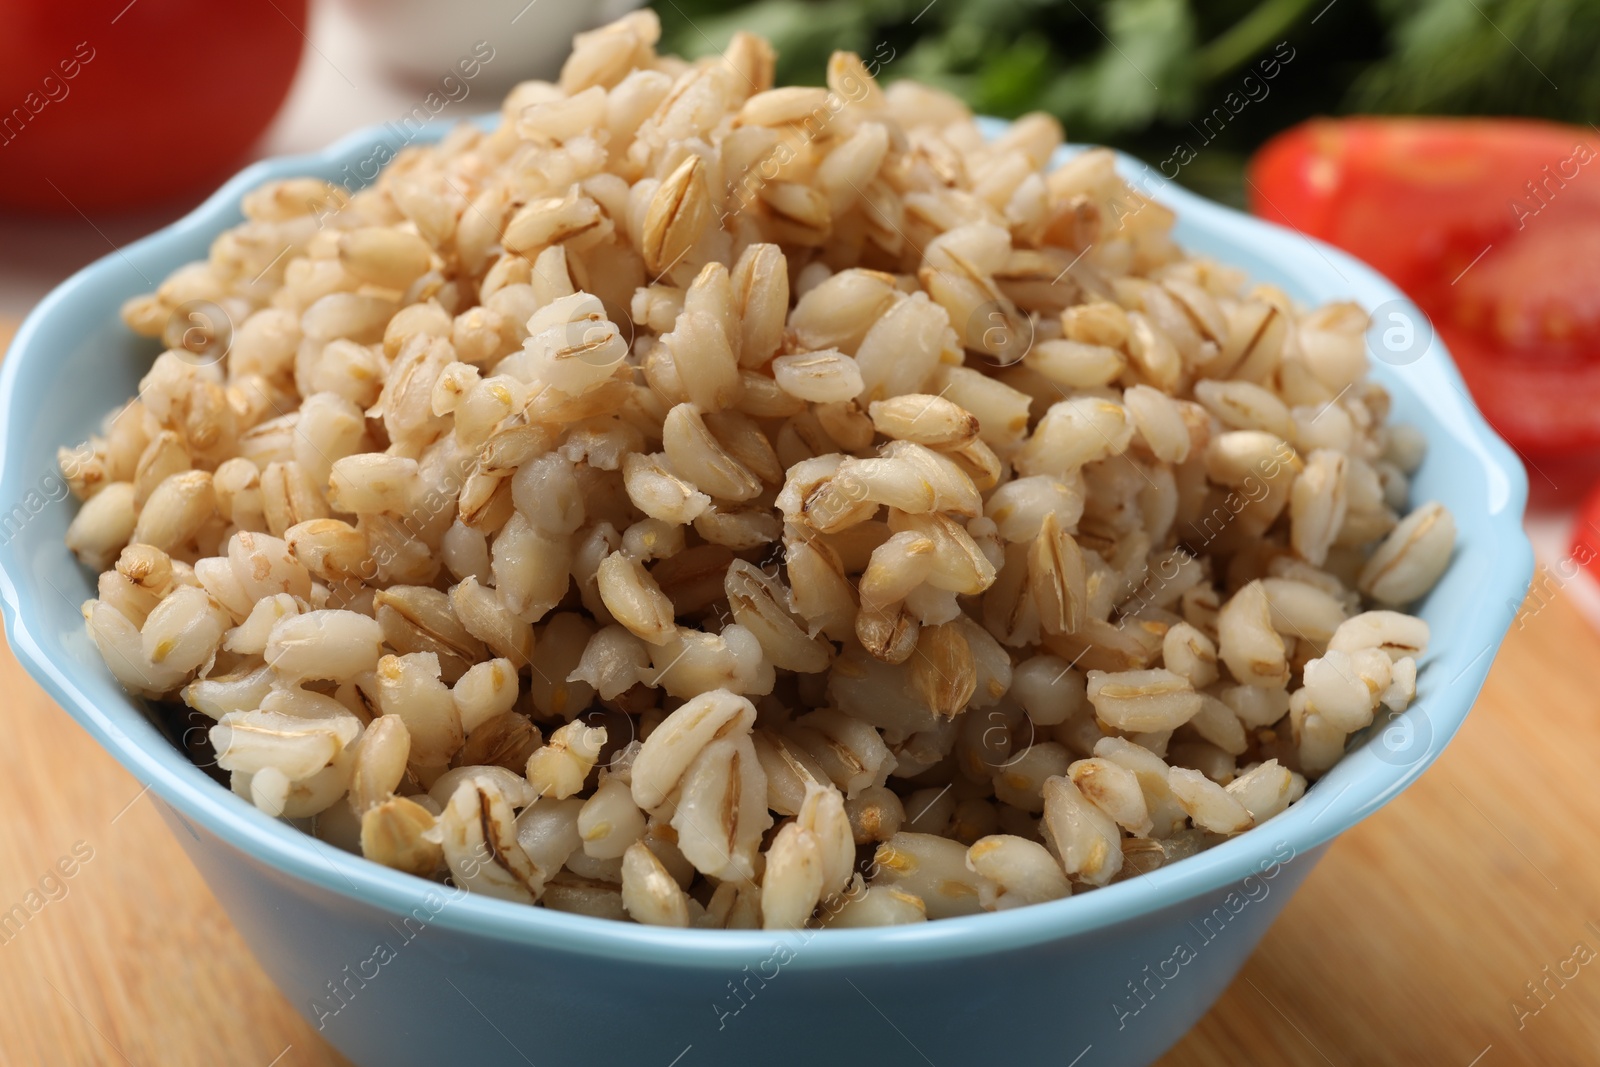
<point x="397" y="971"/>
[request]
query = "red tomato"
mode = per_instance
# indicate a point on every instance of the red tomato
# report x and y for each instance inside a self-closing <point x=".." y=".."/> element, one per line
<point x="1586" y="536"/>
<point x="1492" y="226"/>
<point x="109" y="104"/>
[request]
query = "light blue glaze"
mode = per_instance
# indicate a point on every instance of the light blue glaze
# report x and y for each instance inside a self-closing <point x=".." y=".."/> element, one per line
<point x="500" y="983"/>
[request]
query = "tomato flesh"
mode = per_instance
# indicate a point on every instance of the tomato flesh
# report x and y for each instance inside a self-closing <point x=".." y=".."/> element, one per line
<point x="1492" y="226"/>
<point x="1586" y="535"/>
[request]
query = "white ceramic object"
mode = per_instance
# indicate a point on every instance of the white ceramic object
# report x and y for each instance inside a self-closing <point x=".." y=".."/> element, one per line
<point x="424" y="40"/>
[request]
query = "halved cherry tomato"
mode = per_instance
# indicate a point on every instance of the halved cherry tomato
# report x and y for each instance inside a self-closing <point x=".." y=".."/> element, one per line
<point x="112" y="103"/>
<point x="1491" y="225"/>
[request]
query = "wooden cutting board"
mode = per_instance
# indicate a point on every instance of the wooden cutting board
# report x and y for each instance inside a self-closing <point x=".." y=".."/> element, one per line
<point x="1410" y="944"/>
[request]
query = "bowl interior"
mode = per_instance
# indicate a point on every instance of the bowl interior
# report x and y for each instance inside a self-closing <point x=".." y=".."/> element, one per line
<point x="73" y="361"/>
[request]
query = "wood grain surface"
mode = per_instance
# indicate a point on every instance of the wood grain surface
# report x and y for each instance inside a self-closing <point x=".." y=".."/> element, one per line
<point x="1417" y="941"/>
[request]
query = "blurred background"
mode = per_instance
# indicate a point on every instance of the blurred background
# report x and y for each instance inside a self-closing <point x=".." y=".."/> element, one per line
<point x="1144" y="75"/>
<point x="1446" y="142"/>
<point x="1192" y="87"/>
<point x="1196" y="85"/>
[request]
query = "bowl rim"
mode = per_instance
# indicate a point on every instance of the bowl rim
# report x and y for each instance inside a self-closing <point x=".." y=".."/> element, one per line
<point x="195" y="797"/>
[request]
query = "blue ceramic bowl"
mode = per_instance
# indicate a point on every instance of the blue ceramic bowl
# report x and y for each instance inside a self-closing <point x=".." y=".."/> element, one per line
<point x="397" y="971"/>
